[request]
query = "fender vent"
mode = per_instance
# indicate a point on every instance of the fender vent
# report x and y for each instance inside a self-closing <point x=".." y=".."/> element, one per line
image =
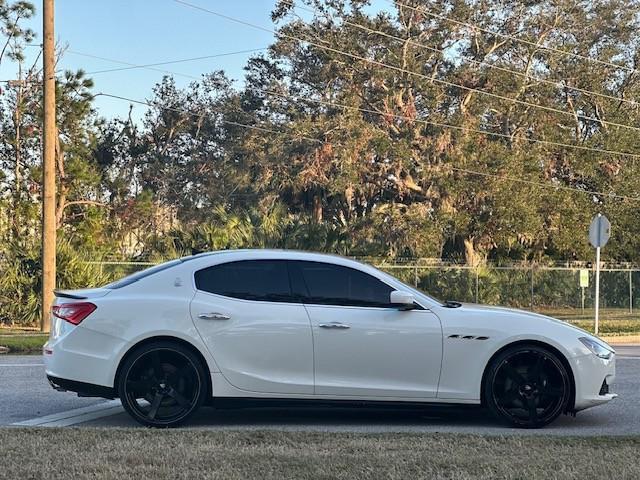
<point x="467" y="337"/>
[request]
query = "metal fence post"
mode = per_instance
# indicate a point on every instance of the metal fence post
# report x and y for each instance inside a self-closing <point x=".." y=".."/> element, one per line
<point x="415" y="276"/>
<point x="477" y="285"/>
<point x="630" y="291"/>
<point x="531" y="287"/>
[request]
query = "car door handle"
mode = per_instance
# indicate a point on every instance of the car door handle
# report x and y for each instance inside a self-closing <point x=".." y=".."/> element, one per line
<point x="214" y="316"/>
<point x="334" y="325"/>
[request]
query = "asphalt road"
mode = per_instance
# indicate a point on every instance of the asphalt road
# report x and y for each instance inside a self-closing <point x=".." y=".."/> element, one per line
<point x="25" y="396"/>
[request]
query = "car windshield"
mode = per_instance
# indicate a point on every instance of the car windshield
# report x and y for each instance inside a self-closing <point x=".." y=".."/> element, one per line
<point x="412" y="289"/>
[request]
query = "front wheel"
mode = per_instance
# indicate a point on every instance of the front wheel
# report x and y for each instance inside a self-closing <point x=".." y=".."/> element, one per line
<point x="162" y="384"/>
<point x="527" y="386"/>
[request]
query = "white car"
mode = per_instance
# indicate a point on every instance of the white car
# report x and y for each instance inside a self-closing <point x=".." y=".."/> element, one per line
<point x="221" y="327"/>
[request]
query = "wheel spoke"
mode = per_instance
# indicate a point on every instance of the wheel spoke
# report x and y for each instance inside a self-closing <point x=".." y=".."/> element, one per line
<point x="156" y="365"/>
<point x="177" y="396"/>
<point x="510" y="396"/>
<point x="139" y="386"/>
<point x="551" y="391"/>
<point x="513" y="374"/>
<point x="532" y="407"/>
<point x="155" y="404"/>
<point x="175" y="376"/>
<point x="536" y="371"/>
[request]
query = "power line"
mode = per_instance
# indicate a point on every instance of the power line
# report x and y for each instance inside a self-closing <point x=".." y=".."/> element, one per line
<point x="468" y="58"/>
<point x="402" y="70"/>
<point x="410" y="119"/>
<point x="200" y="115"/>
<point x="517" y="39"/>
<point x="454" y="127"/>
<point x="462" y="170"/>
<point x="546" y="185"/>
<point x="132" y="66"/>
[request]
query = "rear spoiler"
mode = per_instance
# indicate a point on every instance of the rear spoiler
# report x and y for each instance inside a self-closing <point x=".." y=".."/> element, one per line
<point x="63" y="294"/>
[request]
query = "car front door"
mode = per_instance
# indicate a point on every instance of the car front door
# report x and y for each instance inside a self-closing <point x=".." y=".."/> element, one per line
<point x="256" y="332"/>
<point x="363" y="345"/>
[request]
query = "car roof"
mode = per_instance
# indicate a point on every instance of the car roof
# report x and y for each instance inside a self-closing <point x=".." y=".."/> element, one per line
<point x="268" y="253"/>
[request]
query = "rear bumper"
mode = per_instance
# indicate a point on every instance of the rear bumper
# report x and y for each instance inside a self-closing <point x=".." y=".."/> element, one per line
<point x="83" y="356"/>
<point x="81" y="388"/>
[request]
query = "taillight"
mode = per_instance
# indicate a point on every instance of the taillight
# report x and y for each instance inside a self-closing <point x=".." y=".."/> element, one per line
<point x="73" y="312"/>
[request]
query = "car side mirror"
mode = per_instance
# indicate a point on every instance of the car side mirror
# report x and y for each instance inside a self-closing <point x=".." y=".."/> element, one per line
<point x="402" y="300"/>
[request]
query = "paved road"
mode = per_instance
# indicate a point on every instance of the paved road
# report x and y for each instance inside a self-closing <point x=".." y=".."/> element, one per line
<point x="26" y="396"/>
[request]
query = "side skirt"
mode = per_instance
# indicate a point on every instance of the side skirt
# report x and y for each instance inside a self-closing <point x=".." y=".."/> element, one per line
<point x="246" y="402"/>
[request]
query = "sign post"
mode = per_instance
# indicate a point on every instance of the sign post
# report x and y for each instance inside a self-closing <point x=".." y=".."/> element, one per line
<point x="599" y="234"/>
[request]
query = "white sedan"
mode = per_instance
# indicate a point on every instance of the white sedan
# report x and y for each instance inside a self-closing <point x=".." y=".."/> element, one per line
<point x="222" y="327"/>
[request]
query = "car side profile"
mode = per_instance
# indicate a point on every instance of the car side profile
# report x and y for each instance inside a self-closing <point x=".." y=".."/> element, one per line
<point x="222" y="327"/>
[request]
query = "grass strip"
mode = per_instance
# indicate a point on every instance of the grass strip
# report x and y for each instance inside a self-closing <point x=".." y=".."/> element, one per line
<point x="23" y="343"/>
<point x="186" y="454"/>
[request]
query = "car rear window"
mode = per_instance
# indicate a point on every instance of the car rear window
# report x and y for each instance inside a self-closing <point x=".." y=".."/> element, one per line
<point x="128" y="280"/>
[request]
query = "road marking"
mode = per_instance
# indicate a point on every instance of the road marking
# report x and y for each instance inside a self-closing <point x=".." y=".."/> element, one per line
<point x="75" y="416"/>
<point x="21" y="364"/>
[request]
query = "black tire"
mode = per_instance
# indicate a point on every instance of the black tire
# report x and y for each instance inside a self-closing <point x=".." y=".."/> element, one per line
<point x="527" y="386"/>
<point x="162" y="384"/>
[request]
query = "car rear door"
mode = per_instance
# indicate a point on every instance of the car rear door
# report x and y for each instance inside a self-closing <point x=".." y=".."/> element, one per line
<point x="259" y="336"/>
<point x="364" y="346"/>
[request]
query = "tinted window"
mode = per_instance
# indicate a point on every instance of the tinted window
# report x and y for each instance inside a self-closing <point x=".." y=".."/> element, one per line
<point x="336" y="285"/>
<point x="261" y="280"/>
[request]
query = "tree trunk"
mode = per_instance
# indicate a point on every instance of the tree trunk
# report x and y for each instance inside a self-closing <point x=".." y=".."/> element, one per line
<point x="317" y="208"/>
<point x="470" y="254"/>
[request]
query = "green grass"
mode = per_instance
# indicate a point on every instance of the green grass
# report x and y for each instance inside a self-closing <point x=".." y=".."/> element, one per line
<point x="186" y="454"/>
<point x="22" y="343"/>
<point x="613" y="321"/>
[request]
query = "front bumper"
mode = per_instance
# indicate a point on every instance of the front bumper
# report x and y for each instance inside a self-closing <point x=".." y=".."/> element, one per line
<point x="594" y="377"/>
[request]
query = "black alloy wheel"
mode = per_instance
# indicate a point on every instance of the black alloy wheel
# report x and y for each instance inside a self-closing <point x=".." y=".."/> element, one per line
<point x="527" y="386"/>
<point x="162" y="384"/>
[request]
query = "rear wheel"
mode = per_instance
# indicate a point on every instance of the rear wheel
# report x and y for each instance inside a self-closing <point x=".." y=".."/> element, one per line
<point x="527" y="386"/>
<point x="162" y="384"/>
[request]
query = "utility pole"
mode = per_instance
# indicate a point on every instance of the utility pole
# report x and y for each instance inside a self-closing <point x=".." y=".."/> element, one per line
<point x="49" y="166"/>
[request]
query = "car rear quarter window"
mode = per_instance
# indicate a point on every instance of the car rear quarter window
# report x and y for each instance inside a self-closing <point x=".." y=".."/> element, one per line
<point x="258" y="280"/>
<point x="328" y="284"/>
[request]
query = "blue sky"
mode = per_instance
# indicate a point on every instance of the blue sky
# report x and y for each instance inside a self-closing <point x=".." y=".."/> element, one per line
<point x="148" y="31"/>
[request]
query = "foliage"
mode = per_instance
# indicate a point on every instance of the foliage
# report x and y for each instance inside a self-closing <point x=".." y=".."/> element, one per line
<point x="20" y="280"/>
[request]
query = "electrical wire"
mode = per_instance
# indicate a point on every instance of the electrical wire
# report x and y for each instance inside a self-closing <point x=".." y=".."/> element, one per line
<point x="461" y="170"/>
<point x="411" y="119"/>
<point x="514" y="38"/>
<point x="402" y="70"/>
<point x="408" y="41"/>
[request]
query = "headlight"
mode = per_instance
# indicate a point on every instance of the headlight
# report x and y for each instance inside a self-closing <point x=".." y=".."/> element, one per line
<point x="598" y="349"/>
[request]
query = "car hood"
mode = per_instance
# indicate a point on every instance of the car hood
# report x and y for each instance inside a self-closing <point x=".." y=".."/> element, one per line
<point x="517" y="313"/>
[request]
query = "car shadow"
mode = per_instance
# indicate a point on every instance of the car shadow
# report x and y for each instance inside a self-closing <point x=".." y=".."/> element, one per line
<point x="369" y="420"/>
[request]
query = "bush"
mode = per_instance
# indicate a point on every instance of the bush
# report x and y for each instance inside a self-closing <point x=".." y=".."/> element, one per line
<point x="20" y="280"/>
